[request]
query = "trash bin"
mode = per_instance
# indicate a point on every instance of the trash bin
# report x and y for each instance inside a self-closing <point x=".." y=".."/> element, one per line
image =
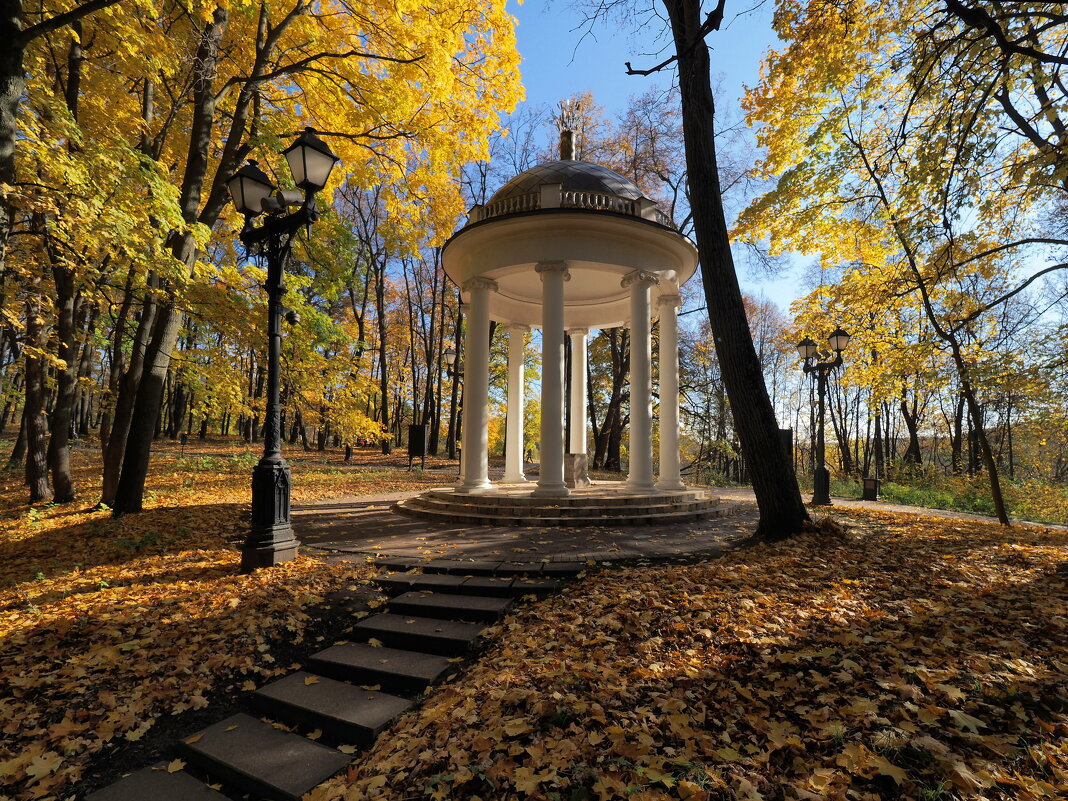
<point x="871" y="489"/>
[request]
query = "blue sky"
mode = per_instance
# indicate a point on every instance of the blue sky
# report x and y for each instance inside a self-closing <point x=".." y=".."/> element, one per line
<point x="562" y="56"/>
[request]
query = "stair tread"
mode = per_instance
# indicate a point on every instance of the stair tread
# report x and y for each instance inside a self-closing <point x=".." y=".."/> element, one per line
<point x="562" y="569"/>
<point x="494" y="586"/>
<point x="159" y="785"/>
<point x="408" y="665"/>
<point x="534" y="586"/>
<point x="461" y="567"/>
<point x="425" y="601"/>
<point x="261" y="759"/>
<point x="438" y="581"/>
<point x="342" y="706"/>
<point x="446" y="637"/>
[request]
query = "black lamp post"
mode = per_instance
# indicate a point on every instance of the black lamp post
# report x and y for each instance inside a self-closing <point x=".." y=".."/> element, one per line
<point x="271" y="540"/>
<point x="820" y="363"/>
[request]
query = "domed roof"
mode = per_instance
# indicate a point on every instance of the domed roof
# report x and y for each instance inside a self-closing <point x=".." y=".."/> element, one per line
<point x="580" y="176"/>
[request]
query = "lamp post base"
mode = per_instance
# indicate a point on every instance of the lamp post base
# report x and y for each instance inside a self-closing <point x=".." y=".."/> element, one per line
<point x="271" y="540"/>
<point x="821" y="487"/>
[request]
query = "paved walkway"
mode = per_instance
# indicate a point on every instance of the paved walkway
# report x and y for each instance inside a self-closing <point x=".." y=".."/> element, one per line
<point x="366" y="525"/>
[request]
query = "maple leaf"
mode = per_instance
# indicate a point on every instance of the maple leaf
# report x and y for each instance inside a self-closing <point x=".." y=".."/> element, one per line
<point x="43" y="765"/>
<point x="175" y="765"/>
<point x="966" y="721"/>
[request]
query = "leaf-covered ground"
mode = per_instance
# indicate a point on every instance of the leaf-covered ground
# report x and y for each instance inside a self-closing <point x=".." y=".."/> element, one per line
<point x="913" y="658"/>
<point x="107" y="626"/>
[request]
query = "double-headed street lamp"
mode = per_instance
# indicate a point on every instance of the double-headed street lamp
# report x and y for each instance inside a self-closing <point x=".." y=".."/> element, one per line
<point x="271" y="540"/>
<point x="820" y="363"/>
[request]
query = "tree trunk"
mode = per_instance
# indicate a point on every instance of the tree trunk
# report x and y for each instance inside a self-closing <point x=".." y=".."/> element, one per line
<point x="613" y="461"/>
<point x="454" y="406"/>
<point x="36" y="422"/>
<point x="12" y="89"/>
<point x="956" y="440"/>
<point x="880" y="462"/>
<point x="124" y="403"/>
<point x="18" y="452"/>
<point x="66" y="382"/>
<point x="85" y="372"/>
<point x="912" y="452"/>
<point x="782" y="512"/>
<point x="840" y="426"/>
<point x="130" y="491"/>
<point x="383" y="367"/>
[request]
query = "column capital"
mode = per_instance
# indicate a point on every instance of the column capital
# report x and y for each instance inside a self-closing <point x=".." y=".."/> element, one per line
<point x="553" y="267"/>
<point x="664" y="301"/>
<point x="578" y="332"/>
<point x="517" y="328"/>
<point x="640" y="276"/>
<point x="479" y="282"/>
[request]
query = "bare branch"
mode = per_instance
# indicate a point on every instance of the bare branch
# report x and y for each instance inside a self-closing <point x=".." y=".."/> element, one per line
<point x="979" y="18"/>
<point x="1011" y="293"/>
<point x="651" y="70"/>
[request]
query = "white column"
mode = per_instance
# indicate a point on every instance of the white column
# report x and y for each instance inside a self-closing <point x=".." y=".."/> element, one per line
<point x="641" y="377"/>
<point x="513" y="442"/>
<point x="670" y="478"/>
<point x="578" y="390"/>
<point x="476" y="388"/>
<point x="551" y="478"/>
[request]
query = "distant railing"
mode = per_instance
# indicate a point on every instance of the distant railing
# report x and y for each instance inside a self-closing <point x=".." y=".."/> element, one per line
<point x="551" y="197"/>
<point x="509" y="205"/>
<point x="598" y="201"/>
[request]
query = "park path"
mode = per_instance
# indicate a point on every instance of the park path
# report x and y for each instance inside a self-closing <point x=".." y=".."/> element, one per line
<point x="366" y="525"/>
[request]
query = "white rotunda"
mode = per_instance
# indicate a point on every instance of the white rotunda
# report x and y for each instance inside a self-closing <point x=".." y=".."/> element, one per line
<point x="568" y="246"/>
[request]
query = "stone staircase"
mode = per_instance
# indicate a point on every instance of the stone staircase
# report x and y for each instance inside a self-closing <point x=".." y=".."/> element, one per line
<point x="351" y="691"/>
<point x="600" y="506"/>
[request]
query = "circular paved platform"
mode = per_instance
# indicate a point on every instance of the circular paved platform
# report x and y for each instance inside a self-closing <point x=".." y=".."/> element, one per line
<point x="602" y="503"/>
<point x="368" y="525"/>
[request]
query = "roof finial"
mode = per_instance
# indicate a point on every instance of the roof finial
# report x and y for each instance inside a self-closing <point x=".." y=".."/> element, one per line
<point x="566" y="120"/>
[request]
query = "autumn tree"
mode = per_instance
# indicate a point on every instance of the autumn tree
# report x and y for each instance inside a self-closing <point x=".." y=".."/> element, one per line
<point x="782" y="512"/>
<point x="917" y="167"/>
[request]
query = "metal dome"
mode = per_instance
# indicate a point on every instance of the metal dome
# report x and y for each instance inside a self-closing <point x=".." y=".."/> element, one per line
<point x="575" y="176"/>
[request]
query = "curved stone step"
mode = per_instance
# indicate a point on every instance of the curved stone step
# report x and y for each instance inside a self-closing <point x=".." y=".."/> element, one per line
<point x="598" y="496"/>
<point x="511" y="518"/>
<point x="557" y="510"/>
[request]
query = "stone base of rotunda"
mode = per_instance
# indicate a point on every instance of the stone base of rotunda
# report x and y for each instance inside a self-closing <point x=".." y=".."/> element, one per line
<point x="601" y="503"/>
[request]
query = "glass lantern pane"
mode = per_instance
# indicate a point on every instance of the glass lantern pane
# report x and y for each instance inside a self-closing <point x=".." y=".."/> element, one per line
<point x="838" y="340"/>
<point x="317" y="167"/>
<point x="254" y="193"/>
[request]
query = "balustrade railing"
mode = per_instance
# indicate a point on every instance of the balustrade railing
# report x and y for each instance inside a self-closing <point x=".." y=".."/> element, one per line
<point x="570" y="199"/>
